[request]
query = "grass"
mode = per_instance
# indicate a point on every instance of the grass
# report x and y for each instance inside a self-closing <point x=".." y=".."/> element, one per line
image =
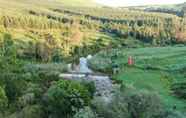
<point x="155" y="69"/>
<point x="154" y="81"/>
<point x="162" y="58"/>
<point x="85" y="3"/>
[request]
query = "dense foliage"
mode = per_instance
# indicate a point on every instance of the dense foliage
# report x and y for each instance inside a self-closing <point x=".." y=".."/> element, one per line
<point x="131" y="103"/>
<point x="66" y="97"/>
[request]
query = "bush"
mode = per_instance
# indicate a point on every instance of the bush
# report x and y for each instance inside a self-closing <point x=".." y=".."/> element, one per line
<point x="145" y="105"/>
<point x="57" y="55"/>
<point x="3" y="99"/>
<point x="103" y="109"/>
<point x="35" y="89"/>
<point x="14" y="85"/>
<point x="8" y="53"/>
<point x="46" y="68"/>
<point x="101" y="64"/>
<point x="90" y="86"/>
<point x="33" y="111"/>
<point x="85" y="113"/>
<point x="65" y="97"/>
<point x="174" y="114"/>
<point x="130" y="103"/>
<point x="26" y="99"/>
<point x="179" y="89"/>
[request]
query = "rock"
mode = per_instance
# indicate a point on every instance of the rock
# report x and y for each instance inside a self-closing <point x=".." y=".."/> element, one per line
<point x="89" y="57"/>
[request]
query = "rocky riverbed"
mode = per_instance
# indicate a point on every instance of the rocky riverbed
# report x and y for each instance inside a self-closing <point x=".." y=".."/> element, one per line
<point x="103" y="84"/>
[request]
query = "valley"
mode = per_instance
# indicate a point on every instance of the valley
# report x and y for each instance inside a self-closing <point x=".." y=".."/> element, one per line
<point x="39" y="39"/>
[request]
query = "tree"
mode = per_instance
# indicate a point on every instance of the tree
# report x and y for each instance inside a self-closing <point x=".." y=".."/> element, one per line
<point x="3" y="100"/>
<point x="14" y="85"/>
<point x="8" y="56"/>
<point x="31" y="111"/>
<point x="65" y="97"/>
<point x="57" y="55"/>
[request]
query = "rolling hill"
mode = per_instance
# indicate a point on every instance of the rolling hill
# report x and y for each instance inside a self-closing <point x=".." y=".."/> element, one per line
<point x="85" y="3"/>
<point x="176" y="9"/>
<point x="70" y="21"/>
<point x="46" y="3"/>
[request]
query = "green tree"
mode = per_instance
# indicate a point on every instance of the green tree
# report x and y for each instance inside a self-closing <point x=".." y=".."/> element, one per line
<point x="8" y="53"/>
<point x="65" y="97"/>
<point x="3" y="100"/>
<point x="31" y="111"/>
<point x="14" y="85"/>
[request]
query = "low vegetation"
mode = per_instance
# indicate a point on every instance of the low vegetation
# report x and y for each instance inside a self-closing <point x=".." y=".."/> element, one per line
<point x="158" y="69"/>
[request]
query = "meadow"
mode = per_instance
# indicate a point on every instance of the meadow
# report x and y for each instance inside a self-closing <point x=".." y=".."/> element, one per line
<point x="155" y="69"/>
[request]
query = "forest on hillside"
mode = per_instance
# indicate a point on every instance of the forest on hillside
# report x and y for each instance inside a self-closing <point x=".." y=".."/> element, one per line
<point x="39" y="39"/>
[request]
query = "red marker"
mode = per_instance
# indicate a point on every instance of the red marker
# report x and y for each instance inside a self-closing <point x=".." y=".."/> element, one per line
<point x="130" y="61"/>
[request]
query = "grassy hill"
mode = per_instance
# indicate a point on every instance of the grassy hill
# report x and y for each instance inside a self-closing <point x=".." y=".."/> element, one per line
<point x="34" y="19"/>
<point x="49" y="3"/>
<point x="85" y="3"/>
<point x="15" y="5"/>
<point x="64" y="23"/>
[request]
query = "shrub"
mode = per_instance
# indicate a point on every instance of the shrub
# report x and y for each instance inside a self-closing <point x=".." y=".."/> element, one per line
<point x="85" y="113"/>
<point x="174" y="114"/>
<point x="90" y="86"/>
<point x="65" y="97"/>
<point x="46" y="68"/>
<point x="179" y="89"/>
<point x="108" y="110"/>
<point x="8" y="53"/>
<point x="35" y="89"/>
<point x="14" y="85"/>
<point x="57" y="55"/>
<point x="3" y="99"/>
<point x="43" y="51"/>
<point x="130" y="103"/>
<point x="101" y="64"/>
<point x="26" y="99"/>
<point x="145" y="105"/>
<point x="33" y="111"/>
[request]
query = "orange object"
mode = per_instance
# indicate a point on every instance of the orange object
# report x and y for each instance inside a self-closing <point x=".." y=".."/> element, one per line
<point x="130" y="60"/>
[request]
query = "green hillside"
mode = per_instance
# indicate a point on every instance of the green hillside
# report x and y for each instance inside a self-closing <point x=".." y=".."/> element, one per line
<point x="37" y="20"/>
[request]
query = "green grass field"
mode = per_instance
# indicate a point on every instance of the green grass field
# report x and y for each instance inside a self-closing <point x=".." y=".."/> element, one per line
<point x="154" y="81"/>
<point x="155" y="69"/>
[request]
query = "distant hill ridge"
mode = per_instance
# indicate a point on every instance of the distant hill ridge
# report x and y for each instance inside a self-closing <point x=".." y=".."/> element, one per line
<point x="176" y="9"/>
